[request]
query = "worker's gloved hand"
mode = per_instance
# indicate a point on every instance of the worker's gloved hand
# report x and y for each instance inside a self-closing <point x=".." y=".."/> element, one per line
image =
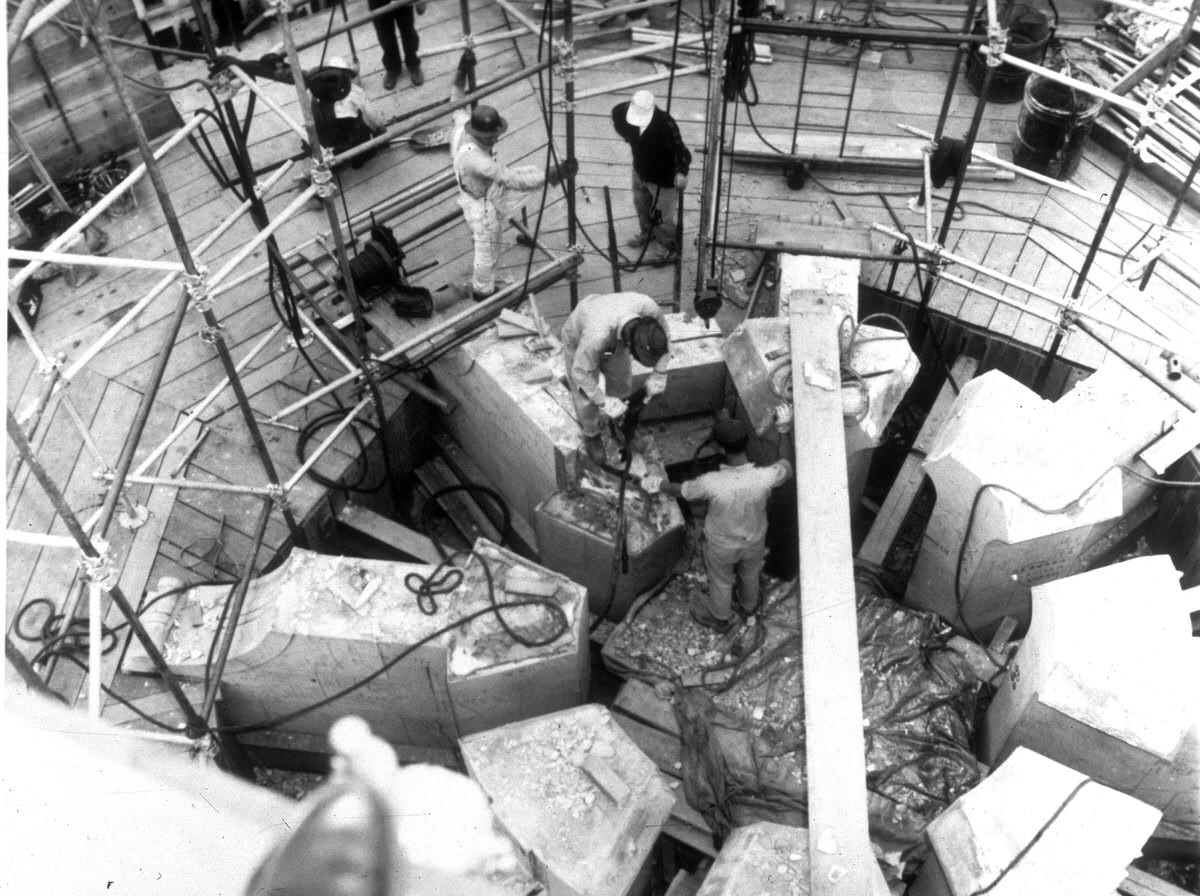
<point x="613" y="408"/>
<point x="652" y="484"/>
<point x="680" y="181"/>
<point x="783" y="418"/>
<point x="556" y="174"/>
<point x="656" y="384"/>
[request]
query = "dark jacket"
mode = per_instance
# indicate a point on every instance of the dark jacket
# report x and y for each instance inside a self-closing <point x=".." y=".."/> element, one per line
<point x="658" y="152"/>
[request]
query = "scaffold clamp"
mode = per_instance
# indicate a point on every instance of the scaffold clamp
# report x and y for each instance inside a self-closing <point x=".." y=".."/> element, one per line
<point x="210" y="334"/>
<point x="997" y="45"/>
<point x="199" y="290"/>
<point x="100" y="569"/>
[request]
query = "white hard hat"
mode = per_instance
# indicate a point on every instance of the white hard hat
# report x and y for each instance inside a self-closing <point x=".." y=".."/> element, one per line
<point x="641" y="109"/>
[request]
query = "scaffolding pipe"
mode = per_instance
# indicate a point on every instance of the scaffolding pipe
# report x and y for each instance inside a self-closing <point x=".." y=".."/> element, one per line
<point x="468" y="318"/>
<point x="1108" y="96"/>
<point x="1015" y="169"/>
<point x="568" y="79"/>
<point x="233" y="616"/>
<point x="253" y="87"/>
<point x="641" y="82"/>
<point x="999" y="297"/>
<point x="195" y="724"/>
<point x="41" y="539"/>
<point x="641" y="50"/>
<point x="109" y="199"/>
<point x="42" y="16"/>
<point x="833" y="31"/>
<point x="1175" y="209"/>
<point x="800" y="249"/>
<point x="710" y="187"/>
<point x="95" y="648"/>
<point x="1135" y="364"/>
<point x="469" y="40"/>
<point x="526" y="22"/>
<point x="442" y="110"/>
<point x="199" y="485"/>
<point x="95" y="261"/>
<point x="327" y="443"/>
<point x="960" y="53"/>
<point x="284" y="217"/>
<point x="129" y="316"/>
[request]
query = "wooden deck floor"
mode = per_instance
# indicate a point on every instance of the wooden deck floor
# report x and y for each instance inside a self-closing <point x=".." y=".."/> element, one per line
<point x="1017" y="227"/>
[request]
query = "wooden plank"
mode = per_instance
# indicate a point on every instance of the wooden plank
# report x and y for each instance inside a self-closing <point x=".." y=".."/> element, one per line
<point x="887" y="522"/>
<point x="842" y="860"/>
<point x="379" y="528"/>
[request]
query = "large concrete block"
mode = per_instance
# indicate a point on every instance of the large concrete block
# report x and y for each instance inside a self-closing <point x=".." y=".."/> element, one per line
<point x="577" y="796"/>
<point x="577" y="536"/>
<point x="1025" y="487"/>
<point x="764" y="859"/>
<point x="1034" y="826"/>
<point x="696" y="378"/>
<point x="321" y="625"/>
<point x="1098" y="685"/>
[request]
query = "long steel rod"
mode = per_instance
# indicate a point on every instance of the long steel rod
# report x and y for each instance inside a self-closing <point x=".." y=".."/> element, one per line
<point x="1075" y="84"/>
<point x="326" y="443"/>
<point x="469" y="40"/>
<point x="129" y="316"/>
<point x="251" y="246"/>
<point x="95" y="667"/>
<point x="960" y="53"/>
<point x="641" y="50"/>
<point x="198" y="485"/>
<point x="41" y="539"/>
<point x="830" y="31"/>
<point x="1175" y="209"/>
<point x="710" y="187"/>
<point x="468" y="317"/>
<point x="613" y="252"/>
<point x="233" y="616"/>
<point x="253" y="87"/>
<point x="976" y="153"/>
<point x="102" y="205"/>
<point x="94" y="261"/>
<point x="642" y="81"/>
<point x="1132" y="362"/>
<point x="568" y="79"/>
<point x="195" y="724"/>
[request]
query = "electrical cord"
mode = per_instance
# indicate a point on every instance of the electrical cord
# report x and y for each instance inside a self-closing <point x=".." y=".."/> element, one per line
<point x="309" y="430"/>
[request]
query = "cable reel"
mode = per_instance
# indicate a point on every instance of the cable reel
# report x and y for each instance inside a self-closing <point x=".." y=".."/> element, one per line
<point x="379" y="268"/>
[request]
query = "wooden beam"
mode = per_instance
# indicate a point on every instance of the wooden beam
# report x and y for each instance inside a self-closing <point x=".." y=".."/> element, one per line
<point x="1146" y="67"/>
<point x="842" y="861"/>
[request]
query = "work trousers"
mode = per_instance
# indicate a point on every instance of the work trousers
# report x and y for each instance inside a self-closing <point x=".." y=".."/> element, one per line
<point x="657" y="208"/>
<point x="618" y="381"/>
<point x="722" y="561"/>
<point x="386" y="26"/>
<point x="483" y="217"/>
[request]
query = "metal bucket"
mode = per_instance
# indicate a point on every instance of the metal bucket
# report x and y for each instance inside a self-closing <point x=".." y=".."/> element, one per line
<point x="1028" y="34"/>
<point x="1053" y="127"/>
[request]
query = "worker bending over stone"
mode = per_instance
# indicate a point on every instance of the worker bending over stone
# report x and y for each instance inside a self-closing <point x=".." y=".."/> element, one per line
<point x="660" y="167"/>
<point x="735" y="527"/>
<point x="485" y="185"/>
<point x="602" y="336"/>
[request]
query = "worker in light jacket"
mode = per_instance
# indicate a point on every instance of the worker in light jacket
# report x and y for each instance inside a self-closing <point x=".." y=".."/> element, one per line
<point x="485" y="185"/>
<point x="735" y="527"/>
<point x="603" y="335"/>
<point x="660" y="167"/>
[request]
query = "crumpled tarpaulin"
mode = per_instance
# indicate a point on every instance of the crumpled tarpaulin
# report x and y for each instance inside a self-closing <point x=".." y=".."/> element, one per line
<point x="743" y="744"/>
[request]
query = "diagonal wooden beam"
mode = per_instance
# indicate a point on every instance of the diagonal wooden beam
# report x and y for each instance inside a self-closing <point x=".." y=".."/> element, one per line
<point x="841" y="859"/>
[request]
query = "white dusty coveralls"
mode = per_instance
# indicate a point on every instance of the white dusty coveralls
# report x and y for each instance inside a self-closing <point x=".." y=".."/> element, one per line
<point x="483" y="188"/>
<point x="591" y="340"/>
<point x="735" y="533"/>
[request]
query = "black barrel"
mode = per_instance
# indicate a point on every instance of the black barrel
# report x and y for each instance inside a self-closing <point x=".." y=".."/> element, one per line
<point x="1053" y="126"/>
<point x="1028" y="34"/>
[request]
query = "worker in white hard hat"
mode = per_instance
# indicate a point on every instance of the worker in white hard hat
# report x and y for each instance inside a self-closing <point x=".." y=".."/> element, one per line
<point x="485" y="184"/>
<point x="601" y="336"/>
<point x="660" y="167"/>
<point x="341" y="113"/>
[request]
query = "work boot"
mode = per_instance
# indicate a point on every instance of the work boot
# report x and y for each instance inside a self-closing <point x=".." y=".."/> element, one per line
<point x="720" y="626"/>
<point x="636" y="242"/>
<point x="390" y="79"/>
<point x="416" y="75"/>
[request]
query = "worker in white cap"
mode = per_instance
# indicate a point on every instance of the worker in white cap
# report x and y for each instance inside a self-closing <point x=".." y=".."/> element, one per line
<point x="660" y="167"/>
<point x="601" y="336"/>
<point x="485" y="185"/>
<point x="341" y="113"/>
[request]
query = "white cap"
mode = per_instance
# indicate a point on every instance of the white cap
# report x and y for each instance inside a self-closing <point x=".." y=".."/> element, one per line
<point x="337" y="62"/>
<point x="641" y="109"/>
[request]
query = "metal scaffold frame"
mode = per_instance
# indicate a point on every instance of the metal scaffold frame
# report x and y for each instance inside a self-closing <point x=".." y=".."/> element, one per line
<point x="199" y="291"/>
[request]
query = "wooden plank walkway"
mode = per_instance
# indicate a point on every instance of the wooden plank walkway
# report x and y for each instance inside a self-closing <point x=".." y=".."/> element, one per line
<point x="1019" y="227"/>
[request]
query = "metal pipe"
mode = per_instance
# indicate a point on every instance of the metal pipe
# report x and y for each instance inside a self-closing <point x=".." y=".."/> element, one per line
<point x="801" y="249"/>
<point x="326" y="443"/>
<point x="613" y="252"/>
<point x="236" y="602"/>
<point x="463" y="321"/>
<point x="1107" y="95"/>
<point x="195" y="724"/>
<point x="528" y="23"/>
<point x="960" y="53"/>
<point x="95" y="261"/>
<point x="41" y="539"/>
<point x="253" y="87"/>
<point x="199" y="485"/>
<point x="1174" y="213"/>
<point x="95" y="644"/>
<point x="1135" y="364"/>
<point x="640" y="50"/>
<point x="710" y="186"/>
<point x="105" y="202"/>
<point x="639" y="82"/>
<point x="464" y="15"/>
<point x="42" y="16"/>
<point x="129" y="316"/>
<point x="263" y="235"/>
<point x="833" y="31"/>
<point x="568" y="78"/>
